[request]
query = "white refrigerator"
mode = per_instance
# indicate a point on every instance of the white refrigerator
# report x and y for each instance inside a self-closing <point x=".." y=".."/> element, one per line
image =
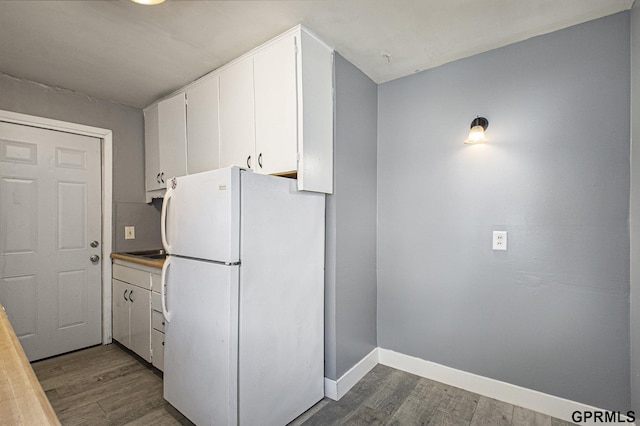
<point x="243" y="297"/>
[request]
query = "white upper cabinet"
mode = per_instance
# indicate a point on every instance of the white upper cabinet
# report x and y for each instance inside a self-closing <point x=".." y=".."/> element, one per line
<point x="270" y="110"/>
<point x="274" y="74"/>
<point x="203" y="147"/>
<point x="152" y="149"/>
<point x="165" y="127"/>
<point x="237" y="129"/>
<point x="172" y="137"/>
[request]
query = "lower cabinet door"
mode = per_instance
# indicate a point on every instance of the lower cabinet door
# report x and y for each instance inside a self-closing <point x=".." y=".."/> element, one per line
<point x="157" y="343"/>
<point x="140" y="322"/>
<point x="120" y="312"/>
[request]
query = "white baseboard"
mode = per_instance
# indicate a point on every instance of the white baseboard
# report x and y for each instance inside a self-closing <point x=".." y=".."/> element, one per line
<point x="516" y="395"/>
<point x="336" y="389"/>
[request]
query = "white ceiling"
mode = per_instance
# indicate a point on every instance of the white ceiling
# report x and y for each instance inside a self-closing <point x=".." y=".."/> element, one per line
<point x="132" y="54"/>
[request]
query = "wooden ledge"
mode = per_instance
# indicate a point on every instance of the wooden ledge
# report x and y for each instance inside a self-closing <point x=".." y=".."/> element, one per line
<point x="22" y="400"/>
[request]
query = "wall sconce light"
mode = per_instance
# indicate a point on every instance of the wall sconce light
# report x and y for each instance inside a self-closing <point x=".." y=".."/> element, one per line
<point x="476" y="134"/>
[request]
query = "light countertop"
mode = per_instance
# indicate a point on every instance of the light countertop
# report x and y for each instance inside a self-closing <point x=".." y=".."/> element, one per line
<point x="154" y="263"/>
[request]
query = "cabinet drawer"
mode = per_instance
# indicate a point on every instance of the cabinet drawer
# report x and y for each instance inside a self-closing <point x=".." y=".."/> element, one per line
<point x="157" y="320"/>
<point x="156" y="302"/>
<point x="132" y="276"/>
<point x="157" y="344"/>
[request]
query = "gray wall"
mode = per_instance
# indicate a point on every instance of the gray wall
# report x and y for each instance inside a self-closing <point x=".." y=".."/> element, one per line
<point x="350" y="283"/>
<point x="635" y="207"/>
<point x="127" y="124"/>
<point x="552" y="312"/>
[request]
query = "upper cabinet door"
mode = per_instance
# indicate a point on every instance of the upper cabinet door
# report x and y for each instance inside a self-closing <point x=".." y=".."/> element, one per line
<point x="274" y="71"/>
<point x="172" y="132"/>
<point x="203" y="138"/>
<point x="237" y="128"/>
<point x="152" y="150"/>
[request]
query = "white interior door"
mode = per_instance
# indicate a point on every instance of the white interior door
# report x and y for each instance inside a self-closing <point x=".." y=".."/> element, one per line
<point x="50" y="221"/>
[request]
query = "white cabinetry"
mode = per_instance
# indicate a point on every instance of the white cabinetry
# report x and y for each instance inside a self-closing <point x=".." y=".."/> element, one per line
<point x="237" y="130"/>
<point x="172" y="136"/>
<point x="132" y="309"/>
<point x="152" y="149"/>
<point x="274" y="74"/>
<point x="202" y="126"/>
<point x="165" y="141"/>
<point x="270" y="110"/>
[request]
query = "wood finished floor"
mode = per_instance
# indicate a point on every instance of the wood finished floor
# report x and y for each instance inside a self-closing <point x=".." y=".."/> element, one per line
<point x="105" y="385"/>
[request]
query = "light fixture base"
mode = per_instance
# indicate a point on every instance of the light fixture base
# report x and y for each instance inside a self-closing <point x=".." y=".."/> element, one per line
<point x="480" y="121"/>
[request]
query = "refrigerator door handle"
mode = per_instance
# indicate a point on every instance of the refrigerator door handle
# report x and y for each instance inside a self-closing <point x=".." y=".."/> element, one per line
<point x="163" y="220"/>
<point x="163" y="292"/>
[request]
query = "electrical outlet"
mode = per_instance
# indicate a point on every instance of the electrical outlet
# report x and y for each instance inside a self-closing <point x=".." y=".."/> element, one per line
<point x="500" y="240"/>
<point x="129" y="232"/>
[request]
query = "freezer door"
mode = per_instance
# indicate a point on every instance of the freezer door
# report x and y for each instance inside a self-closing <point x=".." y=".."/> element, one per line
<point x="201" y="340"/>
<point x="201" y="215"/>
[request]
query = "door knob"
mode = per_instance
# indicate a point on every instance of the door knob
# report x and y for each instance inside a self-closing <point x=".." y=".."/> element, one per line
<point x="94" y="244"/>
<point x="95" y="258"/>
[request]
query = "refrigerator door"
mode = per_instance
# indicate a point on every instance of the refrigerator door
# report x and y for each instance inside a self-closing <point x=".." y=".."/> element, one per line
<point x="201" y="216"/>
<point x="201" y="340"/>
<point x="281" y="335"/>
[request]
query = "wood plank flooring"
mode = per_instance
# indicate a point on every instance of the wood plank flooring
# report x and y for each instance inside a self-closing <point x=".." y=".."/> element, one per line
<point x="106" y="385"/>
<point x="386" y="396"/>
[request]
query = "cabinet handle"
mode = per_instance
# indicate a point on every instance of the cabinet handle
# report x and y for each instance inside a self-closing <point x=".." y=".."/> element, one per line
<point x="131" y="295"/>
<point x="260" y="160"/>
<point x="162" y="177"/>
<point x="158" y="178"/>
<point x="249" y="161"/>
<point x="125" y="295"/>
<point x="162" y="343"/>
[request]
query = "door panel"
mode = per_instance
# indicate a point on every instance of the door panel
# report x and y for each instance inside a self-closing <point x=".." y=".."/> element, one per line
<point x="140" y="322"/>
<point x="172" y="136"/>
<point x="19" y="225"/>
<point x="50" y="209"/>
<point x="72" y="217"/>
<point x="276" y="107"/>
<point x="21" y="291"/>
<point x="152" y="150"/>
<point x="237" y="135"/>
<point x="120" y="312"/>
<point x="203" y="139"/>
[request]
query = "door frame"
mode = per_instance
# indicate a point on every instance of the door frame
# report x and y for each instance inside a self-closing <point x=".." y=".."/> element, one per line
<point x="106" y="149"/>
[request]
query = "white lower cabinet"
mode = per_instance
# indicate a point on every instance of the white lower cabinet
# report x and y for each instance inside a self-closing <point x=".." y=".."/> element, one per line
<point x="131" y="317"/>
<point x="137" y="320"/>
